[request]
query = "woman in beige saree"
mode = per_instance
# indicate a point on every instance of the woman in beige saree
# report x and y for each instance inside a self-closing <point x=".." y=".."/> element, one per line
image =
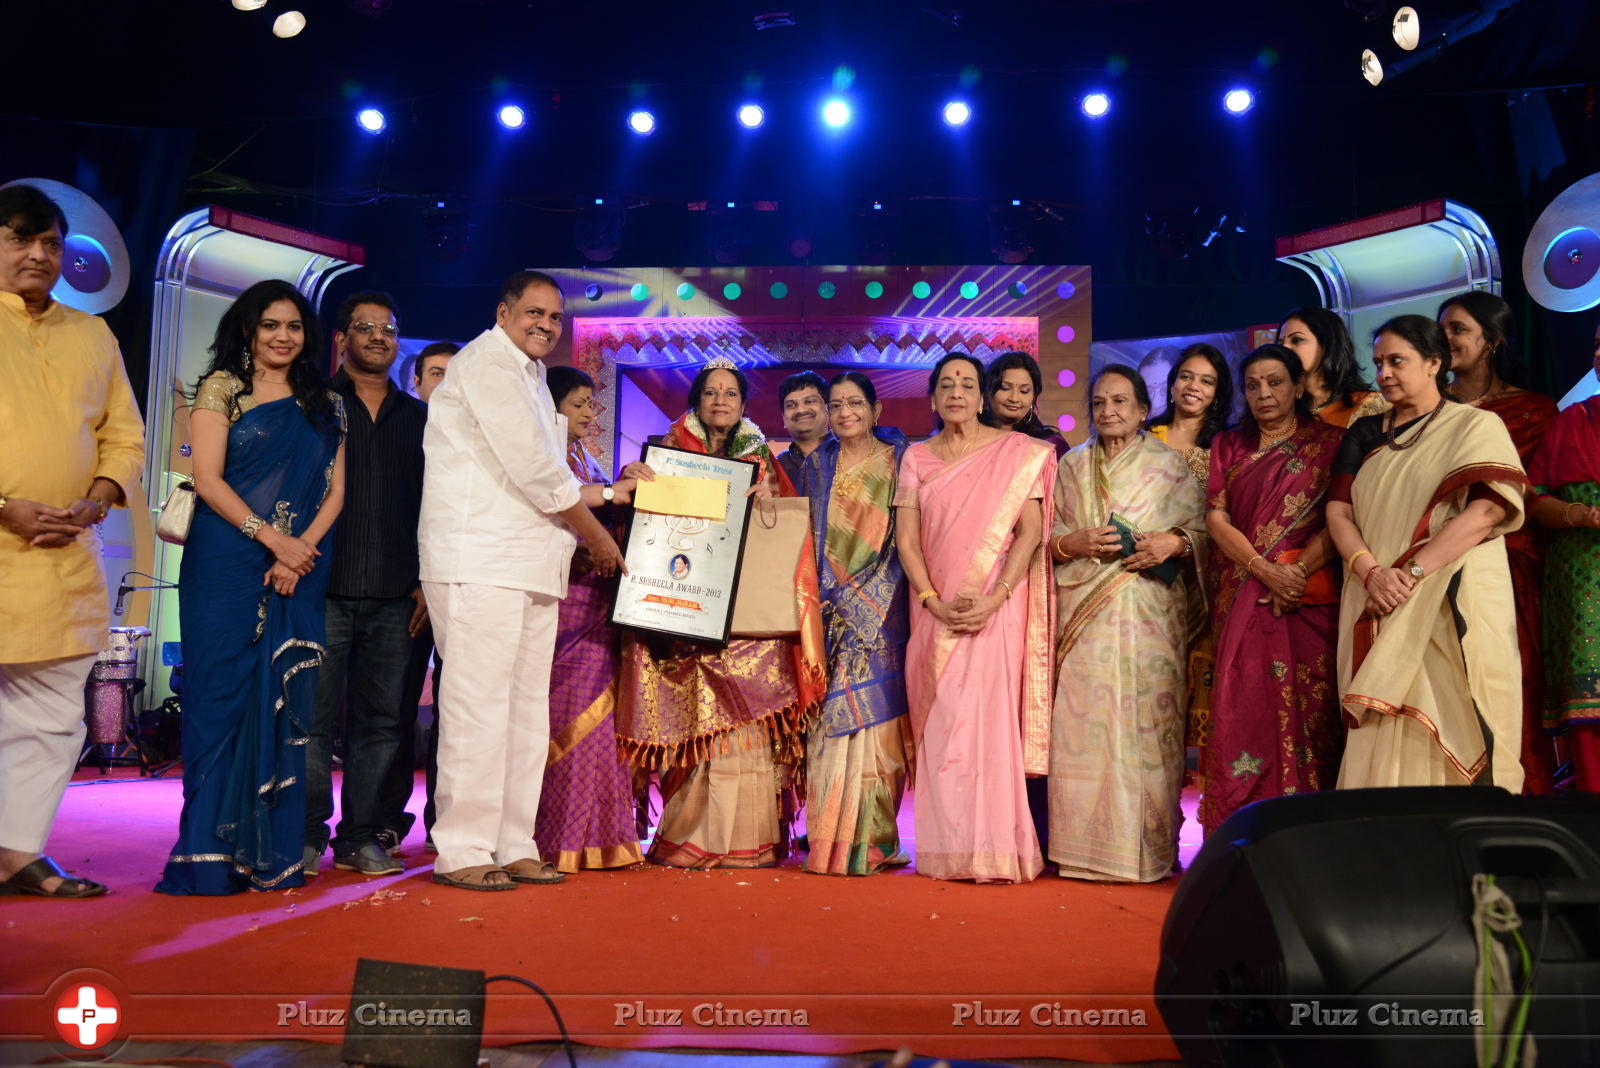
<point x="1116" y="738"/>
<point x="1429" y="676"/>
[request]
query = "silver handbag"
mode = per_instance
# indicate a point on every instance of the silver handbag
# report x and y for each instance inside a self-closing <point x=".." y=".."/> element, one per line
<point x="176" y="514"/>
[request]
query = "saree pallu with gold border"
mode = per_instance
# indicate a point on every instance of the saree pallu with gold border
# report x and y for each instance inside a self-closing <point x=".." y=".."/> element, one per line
<point x="586" y="809"/>
<point x="725" y="727"/>
<point x="857" y="752"/>
<point x="1430" y="692"/>
<point x="1117" y="745"/>
<point x="980" y="703"/>
<point x="1275" y="727"/>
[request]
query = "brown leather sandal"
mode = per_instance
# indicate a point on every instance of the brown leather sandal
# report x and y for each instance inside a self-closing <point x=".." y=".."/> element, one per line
<point x="534" y="871"/>
<point x="475" y="878"/>
<point x="30" y="879"/>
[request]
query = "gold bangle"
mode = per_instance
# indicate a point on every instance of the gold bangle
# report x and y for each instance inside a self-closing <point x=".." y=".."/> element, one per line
<point x="1566" y="513"/>
<point x="1358" y="554"/>
<point x="1007" y="585"/>
<point x="922" y="598"/>
<point x="1066" y="554"/>
<point x="1248" y="563"/>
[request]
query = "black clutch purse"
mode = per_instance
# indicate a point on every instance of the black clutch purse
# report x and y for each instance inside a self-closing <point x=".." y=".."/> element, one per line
<point x="1166" y="572"/>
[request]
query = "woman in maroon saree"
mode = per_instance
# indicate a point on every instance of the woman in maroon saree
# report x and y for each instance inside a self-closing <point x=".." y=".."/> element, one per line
<point x="1275" y="726"/>
<point x="586" y="809"/>
<point x="1486" y="375"/>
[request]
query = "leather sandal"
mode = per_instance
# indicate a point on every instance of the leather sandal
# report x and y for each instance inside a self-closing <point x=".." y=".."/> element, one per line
<point x="29" y="880"/>
<point x="534" y="871"/>
<point x="474" y="878"/>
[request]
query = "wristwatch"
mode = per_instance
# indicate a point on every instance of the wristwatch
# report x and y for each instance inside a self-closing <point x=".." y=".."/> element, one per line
<point x="608" y="493"/>
<point x="1415" y="570"/>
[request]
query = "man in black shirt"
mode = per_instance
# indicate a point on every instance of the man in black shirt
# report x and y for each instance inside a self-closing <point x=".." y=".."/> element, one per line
<point x="375" y="602"/>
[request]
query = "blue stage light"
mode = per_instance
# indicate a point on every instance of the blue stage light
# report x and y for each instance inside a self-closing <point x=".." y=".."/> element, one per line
<point x="1095" y="105"/>
<point x="1238" y="101"/>
<point x="957" y="113"/>
<point x="371" y="120"/>
<point x="512" y="117"/>
<point x="752" y="116"/>
<point x="642" y="122"/>
<point x="836" y="113"/>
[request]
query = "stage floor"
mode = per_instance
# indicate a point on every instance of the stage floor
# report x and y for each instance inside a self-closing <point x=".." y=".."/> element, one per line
<point x="647" y="957"/>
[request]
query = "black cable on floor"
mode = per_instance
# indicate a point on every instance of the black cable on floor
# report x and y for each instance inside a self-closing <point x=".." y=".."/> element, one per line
<point x="566" y="1041"/>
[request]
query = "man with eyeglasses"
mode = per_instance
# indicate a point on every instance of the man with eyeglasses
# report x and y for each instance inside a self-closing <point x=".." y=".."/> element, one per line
<point x="375" y="604"/>
<point x="805" y="417"/>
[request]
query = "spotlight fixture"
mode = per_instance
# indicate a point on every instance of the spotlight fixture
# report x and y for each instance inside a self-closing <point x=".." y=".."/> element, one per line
<point x="1095" y="105"/>
<point x="836" y="113"/>
<point x="751" y="116"/>
<point x="371" y="120"/>
<point x="1371" y="67"/>
<point x="249" y="5"/>
<point x="288" y="24"/>
<point x="1238" y="101"/>
<point x="1407" y="29"/>
<point x="512" y="117"/>
<point x="957" y="113"/>
<point x="642" y="123"/>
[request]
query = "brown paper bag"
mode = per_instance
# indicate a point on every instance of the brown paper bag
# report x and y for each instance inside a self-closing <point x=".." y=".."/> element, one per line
<point x="766" y="605"/>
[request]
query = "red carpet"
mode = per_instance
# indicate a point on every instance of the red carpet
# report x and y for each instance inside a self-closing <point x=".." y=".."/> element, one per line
<point x="637" y="958"/>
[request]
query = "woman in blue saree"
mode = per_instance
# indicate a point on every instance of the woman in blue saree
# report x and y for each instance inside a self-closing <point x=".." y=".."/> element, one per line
<point x="269" y="472"/>
<point x="858" y="749"/>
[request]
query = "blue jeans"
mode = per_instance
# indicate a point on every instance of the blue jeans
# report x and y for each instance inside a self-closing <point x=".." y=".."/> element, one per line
<point x="367" y="652"/>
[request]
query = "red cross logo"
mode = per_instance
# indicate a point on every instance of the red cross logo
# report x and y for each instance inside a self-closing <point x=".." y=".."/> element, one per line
<point x="85" y="1012"/>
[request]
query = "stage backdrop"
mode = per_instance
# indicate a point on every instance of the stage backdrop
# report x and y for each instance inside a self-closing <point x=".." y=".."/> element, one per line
<point x="642" y="334"/>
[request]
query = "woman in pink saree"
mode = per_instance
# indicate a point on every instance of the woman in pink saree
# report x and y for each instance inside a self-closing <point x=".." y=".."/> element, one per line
<point x="972" y="501"/>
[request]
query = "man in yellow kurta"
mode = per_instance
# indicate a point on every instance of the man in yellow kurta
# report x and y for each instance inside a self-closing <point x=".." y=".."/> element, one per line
<point x="73" y="442"/>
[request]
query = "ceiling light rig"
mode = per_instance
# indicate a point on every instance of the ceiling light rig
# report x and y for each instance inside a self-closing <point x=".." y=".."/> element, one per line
<point x="1371" y="67"/>
<point x="289" y="24"/>
<point x="1406" y="28"/>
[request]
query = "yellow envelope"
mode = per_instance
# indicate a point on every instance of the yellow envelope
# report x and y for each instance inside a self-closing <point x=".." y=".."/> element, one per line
<point x="699" y="498"/>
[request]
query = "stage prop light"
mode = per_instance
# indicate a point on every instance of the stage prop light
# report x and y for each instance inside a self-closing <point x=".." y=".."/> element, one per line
<point x="288" y="24"/>
<point x="597" y="233"/>
<point x="778" y="290"/>
<point x="751" y="116"/>
<point x="642" y="123"/>
<point x="371" y="120"/>
<point x="1371" y="67"/>
<point x="969" y="290"/>
<point x="685" y="291"/>
<point x="1095" y="105"/>
<point x="249" y="5"/>
<point x="639" y="291"/>
<point x="836" y="113"/>
<point x="827" y="290"/>
<point x="921" y="290"/>
<point x="1407" y="28"/>
<point x="957" y="113"/>
<point x="732" y="291"/>
<point x="1238" y="101"/>
<point x="874" y="290"/>
<point x="593" y="292"/>
<point x="512" y="117"/>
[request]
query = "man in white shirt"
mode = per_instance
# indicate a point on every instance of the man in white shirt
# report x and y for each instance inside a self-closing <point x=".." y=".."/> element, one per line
<point x="500" y="509"/>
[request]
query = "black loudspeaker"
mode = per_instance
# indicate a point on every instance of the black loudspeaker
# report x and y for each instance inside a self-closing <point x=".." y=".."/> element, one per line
<point x="1336" y="928"/>
<point x="414" y="1016"/>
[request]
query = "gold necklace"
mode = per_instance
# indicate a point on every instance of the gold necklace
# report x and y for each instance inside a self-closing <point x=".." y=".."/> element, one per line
<point x="852" y="478"/>
<point x="1278" y="439"/>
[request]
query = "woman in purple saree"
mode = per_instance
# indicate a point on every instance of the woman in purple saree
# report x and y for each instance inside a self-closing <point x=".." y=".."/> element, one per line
<point x="586" y="809"/>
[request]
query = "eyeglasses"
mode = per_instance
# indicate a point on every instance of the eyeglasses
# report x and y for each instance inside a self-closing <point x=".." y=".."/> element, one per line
<point x="855" y="404"/>
<point x="364" y="329"/>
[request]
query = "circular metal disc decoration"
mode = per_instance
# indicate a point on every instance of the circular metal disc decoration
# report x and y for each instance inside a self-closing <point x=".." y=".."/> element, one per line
<point x="1561" y="261"/>
<point x="94" y="261"/>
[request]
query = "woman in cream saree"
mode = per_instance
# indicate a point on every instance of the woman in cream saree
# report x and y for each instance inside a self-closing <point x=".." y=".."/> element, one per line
<point x="1419" y="503"/>
<point x="1117" y="736"/>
